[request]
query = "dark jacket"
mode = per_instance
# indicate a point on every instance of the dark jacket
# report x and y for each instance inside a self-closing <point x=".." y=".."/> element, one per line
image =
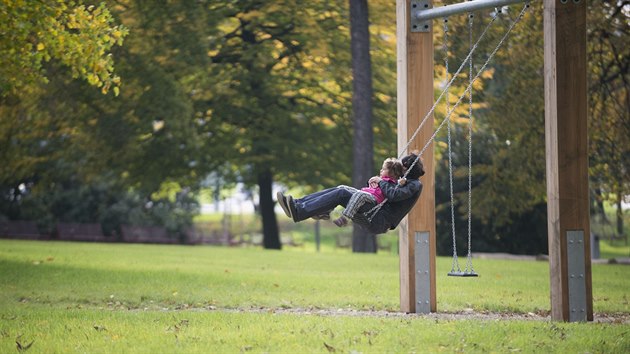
<point x="400" y="201"/>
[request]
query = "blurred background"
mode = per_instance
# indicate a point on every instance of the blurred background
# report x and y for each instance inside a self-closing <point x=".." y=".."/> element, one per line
<point x="177" y="121"/>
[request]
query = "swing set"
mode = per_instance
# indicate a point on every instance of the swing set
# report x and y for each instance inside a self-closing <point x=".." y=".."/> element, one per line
<point x="565" y="82"/>
<point x="455" y="269"/>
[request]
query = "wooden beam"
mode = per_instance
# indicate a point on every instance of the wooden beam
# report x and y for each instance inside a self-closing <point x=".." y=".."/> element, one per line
<point x="415" y="99"/>
<point x="567" y="149"/>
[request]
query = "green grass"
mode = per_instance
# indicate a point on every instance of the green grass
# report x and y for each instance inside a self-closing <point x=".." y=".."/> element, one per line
<point x="610" y="250"/>
<point x="81" y="297"/>
<point x="612" y="244"/>
<point x="93" y="331"/>
<point x="332" y="239"/>
<point x="249" y="226"/>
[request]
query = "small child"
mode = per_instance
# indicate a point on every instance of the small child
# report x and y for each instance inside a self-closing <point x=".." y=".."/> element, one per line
<point x="392" y="170"/>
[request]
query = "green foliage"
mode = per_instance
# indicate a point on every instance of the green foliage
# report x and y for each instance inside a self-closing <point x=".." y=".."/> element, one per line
<point x="509" y="138"/>
<point x="272" y="87"/>
<point x="240" y="88"/>
<point x="77" y="36"/>
<point x="68" y="145"/>
<point x="508" y="141"/>
<point x="102" y="201"/>
<point x="508" y="152"/>
<point x="609" y="103"/>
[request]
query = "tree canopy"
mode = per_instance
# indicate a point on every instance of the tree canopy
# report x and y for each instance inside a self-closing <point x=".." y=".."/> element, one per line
<point x="78" y="36"/>
<point x="260" y="92"/>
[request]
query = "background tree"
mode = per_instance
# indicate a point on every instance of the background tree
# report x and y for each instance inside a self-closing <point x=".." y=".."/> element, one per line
<point x="66" y="142"/>
<point x="39" y="40"/>
<point x="362" y="145"/>
<point x="609" y="105"/>
<point x="508" y="196"/>
<point x="271" y="84"/>
<point x="75" y="38"/>
<point x="260" y="92"/>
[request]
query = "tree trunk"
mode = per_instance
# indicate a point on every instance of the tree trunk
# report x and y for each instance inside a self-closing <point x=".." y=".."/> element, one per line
<point x="271" y="236"/>
<point x="362" y="147"/>
<point x="599" y="203"/>
<point x="619" y="216"/>
<point x="363" y="242"/>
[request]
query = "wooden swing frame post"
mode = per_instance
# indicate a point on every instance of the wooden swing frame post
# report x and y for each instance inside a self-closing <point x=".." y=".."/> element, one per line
<point x="566" y="141"/>
<point x="566" y="147"/>
<point x="415" y="99"/>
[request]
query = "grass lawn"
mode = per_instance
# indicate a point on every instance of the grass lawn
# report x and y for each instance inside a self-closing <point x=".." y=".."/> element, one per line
<point x="82" y="297"/>
<point x="617" y="249"/>
<point x="249" y="225"/>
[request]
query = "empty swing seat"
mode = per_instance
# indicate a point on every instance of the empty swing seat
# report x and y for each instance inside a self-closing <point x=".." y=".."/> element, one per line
<point x="463" y="274"/>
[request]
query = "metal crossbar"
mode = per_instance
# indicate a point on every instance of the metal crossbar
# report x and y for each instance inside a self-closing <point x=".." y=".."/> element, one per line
<point x="454" y="9"/>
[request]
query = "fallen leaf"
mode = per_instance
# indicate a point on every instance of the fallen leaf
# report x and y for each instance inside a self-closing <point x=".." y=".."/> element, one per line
<point x="330" y="348"/>
<point x="21" y="347"/>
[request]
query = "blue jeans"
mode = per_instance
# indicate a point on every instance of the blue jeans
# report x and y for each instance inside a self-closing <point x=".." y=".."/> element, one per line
<point x="321" y="202"/>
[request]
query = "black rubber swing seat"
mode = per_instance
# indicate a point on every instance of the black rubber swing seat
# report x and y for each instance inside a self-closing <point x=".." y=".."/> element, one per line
<point x="462" y="274"/>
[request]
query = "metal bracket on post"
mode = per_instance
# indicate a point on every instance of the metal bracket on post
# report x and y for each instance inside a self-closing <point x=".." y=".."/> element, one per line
<point x="415" y="24"/>
<point x="423" y="277"/>
<point x="576" y="270"/>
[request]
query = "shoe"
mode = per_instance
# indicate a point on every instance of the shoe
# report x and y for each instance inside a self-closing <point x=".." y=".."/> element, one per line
<point x="283" y="204"/>
<point x="341" y="222"/>
<point x="291" y="204"/>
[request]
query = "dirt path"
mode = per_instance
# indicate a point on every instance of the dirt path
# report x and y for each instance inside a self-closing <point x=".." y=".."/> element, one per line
<point x="622" y="318"/>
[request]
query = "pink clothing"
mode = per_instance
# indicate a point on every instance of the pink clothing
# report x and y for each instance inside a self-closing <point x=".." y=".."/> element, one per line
<point x="377" y="192"/>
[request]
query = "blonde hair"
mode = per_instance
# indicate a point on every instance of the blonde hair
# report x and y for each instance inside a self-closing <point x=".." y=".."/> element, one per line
<point x="394" y="166"/>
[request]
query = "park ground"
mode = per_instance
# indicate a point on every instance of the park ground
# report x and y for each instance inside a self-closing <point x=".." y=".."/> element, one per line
<point x="64" y="297"/>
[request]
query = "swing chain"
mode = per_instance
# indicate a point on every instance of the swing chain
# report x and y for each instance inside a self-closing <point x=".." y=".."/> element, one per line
<point x="473" y="81"/>
<point x="469" y="267"/>
<point x="494" y="17"/>
<point x="372" y="212"/>
<point x="450" y="155"/>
